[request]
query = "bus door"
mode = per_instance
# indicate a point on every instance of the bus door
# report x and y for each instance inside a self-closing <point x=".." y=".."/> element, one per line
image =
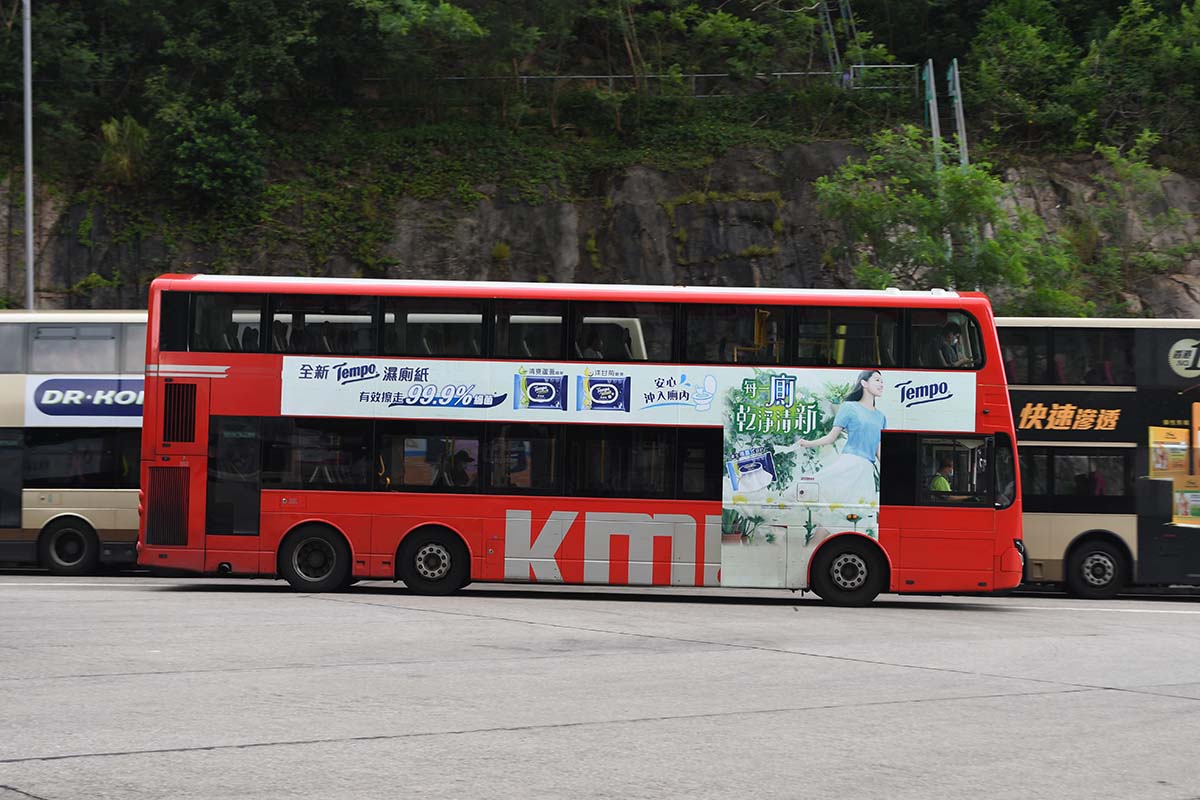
<point x="947" y="538"/>
<point x="232" y="492"/>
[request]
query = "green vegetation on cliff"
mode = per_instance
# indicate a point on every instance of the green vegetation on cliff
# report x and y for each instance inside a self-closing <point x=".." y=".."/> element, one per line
<point x="302" y="124"/>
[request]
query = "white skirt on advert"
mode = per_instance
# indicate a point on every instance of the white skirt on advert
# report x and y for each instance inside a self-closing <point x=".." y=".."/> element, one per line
<point x="849" y="481"/>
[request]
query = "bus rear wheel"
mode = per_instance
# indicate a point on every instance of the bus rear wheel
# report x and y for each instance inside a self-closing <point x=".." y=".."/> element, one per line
<point x="1096" y="570"/>
<point x="69" y="547"/>
<point x="848" y="572"/>
<point x="315" y="559"/>
<point x="433" y="561"/>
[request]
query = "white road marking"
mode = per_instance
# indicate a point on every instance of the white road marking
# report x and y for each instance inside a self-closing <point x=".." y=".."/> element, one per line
<point x="1108" y="608"/>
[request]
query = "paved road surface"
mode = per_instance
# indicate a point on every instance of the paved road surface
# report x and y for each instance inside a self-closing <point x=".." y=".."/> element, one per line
<point x="132" y="687"/>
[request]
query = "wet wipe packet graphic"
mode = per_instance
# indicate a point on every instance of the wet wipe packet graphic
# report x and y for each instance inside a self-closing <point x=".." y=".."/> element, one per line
<point x="751" y="470"/>
<point x="602" y="394"/>
<point x="540" y="391"/>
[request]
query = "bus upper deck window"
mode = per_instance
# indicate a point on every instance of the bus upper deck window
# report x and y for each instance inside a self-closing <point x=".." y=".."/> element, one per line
<point x="226" y="323"/>
<point x="945" y="340"/>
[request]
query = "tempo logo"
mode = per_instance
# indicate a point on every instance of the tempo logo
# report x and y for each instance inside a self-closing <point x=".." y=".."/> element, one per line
<point x="87" y="397"/>
<point x="918" y="394"/>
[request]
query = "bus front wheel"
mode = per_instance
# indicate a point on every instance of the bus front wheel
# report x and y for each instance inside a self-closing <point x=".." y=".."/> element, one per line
<point x="433" y="561"/>
<point x="315" y="559"/>
<point x="848" y="572"/>
<point x="69" y="547"/>
<point x="1096" y="570"/>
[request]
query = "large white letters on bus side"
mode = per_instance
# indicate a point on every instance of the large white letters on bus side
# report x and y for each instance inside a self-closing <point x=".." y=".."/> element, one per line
<point x="51" y="397"/>
<point x="523" y="552"/>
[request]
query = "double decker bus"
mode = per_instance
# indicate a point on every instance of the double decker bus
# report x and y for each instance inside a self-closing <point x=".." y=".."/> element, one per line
<point x="1107" y="417"/>
<point x="437" y="433"/>
<point x="70" y="419"/>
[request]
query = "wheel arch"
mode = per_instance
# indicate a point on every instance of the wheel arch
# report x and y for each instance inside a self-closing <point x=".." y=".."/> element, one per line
<point x="432" y="526"/>
<point x="1104" y="535"/>
<point x="296" y="529"/>
<point x="840" y="537"/>
<point x="1098" y="534"/>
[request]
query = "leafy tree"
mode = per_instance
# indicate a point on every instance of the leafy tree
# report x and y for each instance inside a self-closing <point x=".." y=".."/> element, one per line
<point x="1021" y="61"/>
<point x="1141" y="75"/>
<point x="904" y="223"/>
<point x="215" y="152"/>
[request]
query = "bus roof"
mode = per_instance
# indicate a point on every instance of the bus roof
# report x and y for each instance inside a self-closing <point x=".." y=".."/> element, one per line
<point x="1094" y="322"/>
<point x="554" y="291"/>
<point x="62" y="316"/>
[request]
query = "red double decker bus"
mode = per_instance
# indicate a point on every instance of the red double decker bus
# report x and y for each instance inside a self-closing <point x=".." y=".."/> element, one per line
<point x="438" y="433"/>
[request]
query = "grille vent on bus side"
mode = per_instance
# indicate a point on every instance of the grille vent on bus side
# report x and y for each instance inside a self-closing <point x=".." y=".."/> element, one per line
<point x="179" y="412"/>
<point x="167" y="506"/>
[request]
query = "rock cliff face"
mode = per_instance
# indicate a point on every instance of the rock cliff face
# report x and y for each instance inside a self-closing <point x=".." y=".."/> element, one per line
<point x="748" y="219"/>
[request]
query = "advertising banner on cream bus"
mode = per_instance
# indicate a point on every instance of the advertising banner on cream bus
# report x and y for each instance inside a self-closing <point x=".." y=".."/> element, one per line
<point x="73" y="401"/>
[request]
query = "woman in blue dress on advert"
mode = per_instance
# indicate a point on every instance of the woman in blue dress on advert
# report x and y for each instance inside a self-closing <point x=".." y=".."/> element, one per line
<point x="850" y="479"/>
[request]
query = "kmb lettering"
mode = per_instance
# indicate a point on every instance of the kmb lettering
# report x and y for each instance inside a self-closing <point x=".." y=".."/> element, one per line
<point x="644" y="549"/>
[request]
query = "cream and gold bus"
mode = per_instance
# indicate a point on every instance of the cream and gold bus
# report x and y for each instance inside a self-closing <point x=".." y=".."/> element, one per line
<point x="1107" y="413"/>
<point x="70" y="427"/>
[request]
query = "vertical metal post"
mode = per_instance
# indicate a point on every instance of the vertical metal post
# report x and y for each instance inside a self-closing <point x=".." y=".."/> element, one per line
<point x="931" y="108"/>
<point x="29" y="263"/>
<point x="959" y="119"/>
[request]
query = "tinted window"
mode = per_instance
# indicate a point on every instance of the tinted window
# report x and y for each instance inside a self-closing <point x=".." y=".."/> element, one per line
<point x="234" y="455"/>
<point x="174" y="310"/>
<point x="82" y="458"/>
<point x="133" y="349"/>
<point x="316" y="454"/>
<point x="735" y="334"/>
<point x="1025" y="354"/>
<point x="428" y="457"/>
<point x="524" y="458"/>
<point x="529" y="329"/>
<point x="623" y="331"/>
<point x="12" y="347"/>
<point x="74" y="348"/>
<point x="320" y="324"/>
<point x="606" y="461"/>
<point x="944" y="340"/>
<point x="1095" y="357"/>
<point x="955" y="471"/>
<point x="1035" y="472"/>
<point x="12" y="452"/>
<point x="700" y="463"/>
<point x="852" y="337"/>
<point x="438" y="327"/>
<point x="1091" y="473"/>
<point x="1006" y="472"/>
<point x="226" y="323"/>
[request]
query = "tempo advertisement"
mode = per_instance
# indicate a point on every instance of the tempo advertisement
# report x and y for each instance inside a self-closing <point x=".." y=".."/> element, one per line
<point x="801" y="446"/>
<point x="73" y="401"/>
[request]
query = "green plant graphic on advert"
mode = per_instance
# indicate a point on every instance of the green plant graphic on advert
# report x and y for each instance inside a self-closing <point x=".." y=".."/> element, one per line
<point x="809" y="527"/>
<point x="756" y="419"/>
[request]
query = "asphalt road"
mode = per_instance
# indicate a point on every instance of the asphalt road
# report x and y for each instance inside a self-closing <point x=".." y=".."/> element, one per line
<point x="135" y="687"/>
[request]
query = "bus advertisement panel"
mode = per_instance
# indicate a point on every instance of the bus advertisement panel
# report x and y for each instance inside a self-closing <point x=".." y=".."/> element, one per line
<point x="782" y="468"/>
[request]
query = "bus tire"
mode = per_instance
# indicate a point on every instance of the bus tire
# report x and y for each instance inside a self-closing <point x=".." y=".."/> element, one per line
<point x="69" y="547"/>
<point x="848" y="571"/>
<point x="433" y="561"/>
<point x="1097" y="569"/>
<point x="314" y="558"/>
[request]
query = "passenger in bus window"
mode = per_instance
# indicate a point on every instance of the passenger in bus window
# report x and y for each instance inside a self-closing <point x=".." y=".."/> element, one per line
<point x="457" y="473"/>
<point x="592" y="348"/>
<point x="942" y="478"/>
<point x="944" y="351"/>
